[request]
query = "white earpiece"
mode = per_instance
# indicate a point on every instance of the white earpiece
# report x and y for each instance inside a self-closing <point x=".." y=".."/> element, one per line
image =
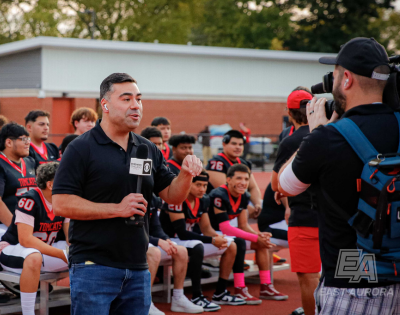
<point x="345" y="82"/>
<point x="105" y="106"/>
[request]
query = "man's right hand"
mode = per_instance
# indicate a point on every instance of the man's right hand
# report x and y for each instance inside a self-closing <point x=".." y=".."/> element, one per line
<point x="130" y="205"/>
<point x="220" y="241"/>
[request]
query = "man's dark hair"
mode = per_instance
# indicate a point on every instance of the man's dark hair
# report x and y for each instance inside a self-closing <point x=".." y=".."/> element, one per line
<point x="178" y="139"/>
<point x="66" y="141"/>
<point x="115" y="78"/>
<point x="46" y="173"/>
<point x="151" y="132"/>
<point x="34" y="114"/>
<point x="160" y="121"/>
<point x="237" y="168"/>
<point x="300" y="114"/>
<point x="232" y="134"/>
<point x="11" y="131"/>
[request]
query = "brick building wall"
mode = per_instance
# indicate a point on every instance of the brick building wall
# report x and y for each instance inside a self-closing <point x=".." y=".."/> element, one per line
<point x="192" y="116"/>
<point x="188" y="116"/>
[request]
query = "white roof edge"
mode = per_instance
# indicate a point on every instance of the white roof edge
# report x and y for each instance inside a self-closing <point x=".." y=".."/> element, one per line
<point x="107" y="45"/>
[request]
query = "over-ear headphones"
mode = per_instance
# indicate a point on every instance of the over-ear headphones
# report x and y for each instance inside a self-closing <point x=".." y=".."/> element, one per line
<point x="227" y="138"/>
<point x="345" y="82"/>
<point x="105" y="106"/>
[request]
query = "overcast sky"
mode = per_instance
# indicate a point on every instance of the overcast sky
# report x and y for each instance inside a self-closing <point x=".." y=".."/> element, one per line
<point x="397" y="4"/>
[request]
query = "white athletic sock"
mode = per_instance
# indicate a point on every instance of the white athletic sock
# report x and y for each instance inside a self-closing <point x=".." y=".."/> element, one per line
<point x="28" y="303"/>
<point x="177" y="293"/>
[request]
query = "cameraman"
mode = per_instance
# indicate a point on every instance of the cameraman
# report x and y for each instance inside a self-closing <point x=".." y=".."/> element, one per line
<point x="326" y="161"/>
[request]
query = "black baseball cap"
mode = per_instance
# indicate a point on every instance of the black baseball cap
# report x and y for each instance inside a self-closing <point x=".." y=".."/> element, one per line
<point x="361" y="56"/>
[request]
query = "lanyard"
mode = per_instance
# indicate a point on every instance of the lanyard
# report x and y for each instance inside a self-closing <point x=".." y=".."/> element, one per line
<point x="21" y="170"/>
<point x="235" y="205"/>
<point x="228" y="160"/>
<point x="195" y="210"/>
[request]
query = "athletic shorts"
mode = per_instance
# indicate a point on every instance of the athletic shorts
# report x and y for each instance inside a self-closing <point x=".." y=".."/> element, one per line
<point x="164" y="255"/>
<point x="209" y="249"/>
<point x="3" y="229"/>
<point x="304" y="249"/>
<point x="13" y="256"/>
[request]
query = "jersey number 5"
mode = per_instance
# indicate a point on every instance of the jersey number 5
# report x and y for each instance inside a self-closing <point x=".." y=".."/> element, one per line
<point x="26" y="204"/>
<point x="215" y="165"/>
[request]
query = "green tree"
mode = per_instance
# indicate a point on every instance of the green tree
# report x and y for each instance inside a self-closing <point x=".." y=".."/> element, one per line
<point x="168" y="21"/>
<point x="328" y="24"/>
<point x="230" y="23"/>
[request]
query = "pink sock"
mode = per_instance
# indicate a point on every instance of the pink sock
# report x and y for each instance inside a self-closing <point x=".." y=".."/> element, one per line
<point x="265" y="276"/>
<point x="238" y="280"/>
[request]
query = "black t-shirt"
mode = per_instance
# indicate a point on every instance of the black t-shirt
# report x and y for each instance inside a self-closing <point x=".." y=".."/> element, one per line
<point x="327" y="161"/>
<point x="15" y="179"/>
<point x="221" y="199"/>
<point x="174" y="166"/>
<point x="303" y="212"/>
<point x="192" y="216"/>
<point x="288" y="131"/>
<point x="155" y="230"/>
<point x="46" y="224"/>
<point x="50" y="154"/>
<point x="97" y="169"/>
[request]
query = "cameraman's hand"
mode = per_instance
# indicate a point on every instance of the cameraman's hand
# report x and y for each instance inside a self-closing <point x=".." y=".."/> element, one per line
<point x="278" y="196"/>
<point x="287" y="215"/>
<point x="316" y="114"/>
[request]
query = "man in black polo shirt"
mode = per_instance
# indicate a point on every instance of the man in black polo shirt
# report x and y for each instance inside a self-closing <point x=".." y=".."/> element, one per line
<point x="326" y="161"/>
<point x="108" y="269"/>
<point x="303" y="221"/>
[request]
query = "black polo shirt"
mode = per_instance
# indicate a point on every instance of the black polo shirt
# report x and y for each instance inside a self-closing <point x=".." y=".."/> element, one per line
<point x="302" y="213"/>
<point x="327" y="161"/>
<point x="97" y="169"/>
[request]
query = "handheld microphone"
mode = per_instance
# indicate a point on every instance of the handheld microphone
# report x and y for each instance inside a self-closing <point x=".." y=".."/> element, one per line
<point x="140" y="166"/>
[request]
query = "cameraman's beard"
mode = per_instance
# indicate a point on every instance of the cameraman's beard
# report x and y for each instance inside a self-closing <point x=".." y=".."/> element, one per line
<point x="340" y="102"/>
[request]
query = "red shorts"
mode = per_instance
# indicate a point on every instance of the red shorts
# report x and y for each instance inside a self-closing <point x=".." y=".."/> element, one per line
<point x="304" y="249"/>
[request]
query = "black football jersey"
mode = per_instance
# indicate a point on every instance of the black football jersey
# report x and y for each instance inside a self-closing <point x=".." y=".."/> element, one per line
<point x="167" y="153"/>
<point x="46" y="225"/>
<point x="50" y="154"/>
<point x="15" y="179"/>
<point x="221" y="199"/>
<point x="174" y="166"/>
<point x="192" y="216"/>
<point x="221" y="163"/>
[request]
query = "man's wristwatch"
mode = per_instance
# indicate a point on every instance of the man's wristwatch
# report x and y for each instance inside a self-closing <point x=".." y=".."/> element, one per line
<point x="213" y="240"/>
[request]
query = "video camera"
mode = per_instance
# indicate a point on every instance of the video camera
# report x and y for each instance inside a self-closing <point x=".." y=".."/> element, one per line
<point x="391" y="94"/>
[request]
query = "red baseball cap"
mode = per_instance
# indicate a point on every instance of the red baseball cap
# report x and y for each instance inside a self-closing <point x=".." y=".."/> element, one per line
<point x="296" y="97"/>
